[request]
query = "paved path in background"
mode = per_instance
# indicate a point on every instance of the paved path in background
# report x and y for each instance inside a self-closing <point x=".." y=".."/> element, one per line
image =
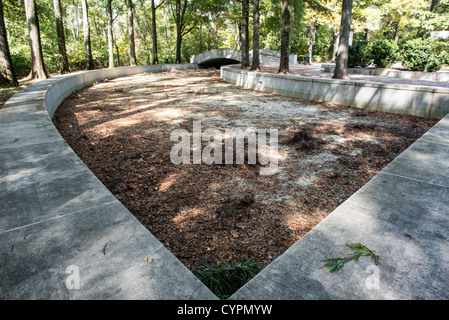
<point x="271" y="63"/>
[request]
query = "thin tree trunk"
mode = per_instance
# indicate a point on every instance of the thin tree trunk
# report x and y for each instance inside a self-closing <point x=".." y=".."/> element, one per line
<point x="236" y="35"/>
<point x="144" y="39"/>
<point x="168" y="34"/>
<point x="178" y="44"/>
<point x="285" y="37"/>
<point x="256" y="61"/>
<point x="7" y="74"/>
<point x="38" y="70"/>
<point x="64" y="63"/>
<point x="86" y="31"/>
<point x="118" y="54"/>
<point x="396" y="31"/>
<point x="132" y="46"/>
<point x="77" y="22"/>
<point x="154" y="32"/>
<point x="312" y="39"/>
<point x="341" y="66"/>
<point x="367" y="34"/>
<point x="110" y="35"/>
<point x="244" y="36"/>
<point x="336" y="43"/>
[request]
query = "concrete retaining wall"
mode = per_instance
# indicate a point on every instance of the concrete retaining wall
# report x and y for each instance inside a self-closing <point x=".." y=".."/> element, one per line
<point x="429" y="76"/>
<point x="63" y="234"/>
<point x="420" y="101"/>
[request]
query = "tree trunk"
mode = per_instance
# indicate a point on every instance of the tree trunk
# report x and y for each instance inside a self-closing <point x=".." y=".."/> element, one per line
<point x="38" y="70"/>
<point x="168" y="34"/>
<point x="244" y="36"/>
<point x="7" y="74"/>
<point x="256" y="61"/>
<point x="312" y="39"/>
<point x="144" y="39"/>
<point x="236" y="35"/>
<point x="336" y="43"/>
<point x="118" y="54"/>
<point x="77" y="21"/>
<point x="64" y="63"/>
<point x="285" y="37"/>
<point x="367" y="34"/>
<point x="110" y="35"/>
<point x="341" y="66"/>
<point x="396" y="31"/>
<point x="132" y="46"/>
<point x="154" y="32"/>
<point x="86" y="31"/>
<point x="178" y="45"/>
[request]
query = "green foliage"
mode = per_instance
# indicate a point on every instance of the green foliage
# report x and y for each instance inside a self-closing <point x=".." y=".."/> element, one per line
<point x="425" y="54"/>
<point x="356" y="54"/>
<point x="215" y="24"/>
<point x="336" y="264"/>
<point x="380" y="52"/>
<point x="21" y="59"/>
<point x="226" y="278"/>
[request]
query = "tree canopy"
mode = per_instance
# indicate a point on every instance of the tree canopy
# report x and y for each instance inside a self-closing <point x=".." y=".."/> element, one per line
<point x="156" y="31"/>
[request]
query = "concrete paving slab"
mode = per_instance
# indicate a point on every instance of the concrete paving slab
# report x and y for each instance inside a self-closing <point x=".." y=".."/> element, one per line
<point x="21" y="134"/>
<point x="95" y="254"/>
<point x="427" y="159"/>
<point x="404" y="221"/>
<point x="42" y="181"/>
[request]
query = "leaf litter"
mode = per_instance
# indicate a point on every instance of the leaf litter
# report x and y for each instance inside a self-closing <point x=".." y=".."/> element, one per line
<point x="208" y="214"/>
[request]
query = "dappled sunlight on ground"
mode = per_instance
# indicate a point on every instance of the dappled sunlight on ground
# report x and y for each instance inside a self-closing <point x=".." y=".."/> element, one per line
<point x="211" y="213"/>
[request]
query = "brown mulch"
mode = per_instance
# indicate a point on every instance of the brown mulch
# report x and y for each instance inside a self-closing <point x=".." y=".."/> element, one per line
<point x="206" y="214"/>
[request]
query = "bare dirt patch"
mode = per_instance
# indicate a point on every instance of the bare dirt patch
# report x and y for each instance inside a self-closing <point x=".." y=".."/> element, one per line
<point x="207" y="214"/>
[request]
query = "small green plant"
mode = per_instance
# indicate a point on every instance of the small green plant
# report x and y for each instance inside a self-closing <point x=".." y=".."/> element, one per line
<point x="335" y="264"/>
<point x="226" y="278"/>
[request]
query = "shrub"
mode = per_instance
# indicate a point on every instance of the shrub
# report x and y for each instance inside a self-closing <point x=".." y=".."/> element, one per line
<point x="356" y="54"/>
<point x="380" y="52"/>
<point x="425" y="54"/>
<point x="21" y="59"/>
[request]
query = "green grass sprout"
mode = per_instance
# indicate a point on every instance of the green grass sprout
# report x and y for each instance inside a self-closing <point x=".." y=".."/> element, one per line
<point x="336" y="264"/>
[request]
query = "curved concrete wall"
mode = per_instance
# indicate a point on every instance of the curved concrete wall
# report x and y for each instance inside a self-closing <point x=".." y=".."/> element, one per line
<point x="63" y="234"/>
<point x="396" y="98"/>
<point x="430" y="76"/>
